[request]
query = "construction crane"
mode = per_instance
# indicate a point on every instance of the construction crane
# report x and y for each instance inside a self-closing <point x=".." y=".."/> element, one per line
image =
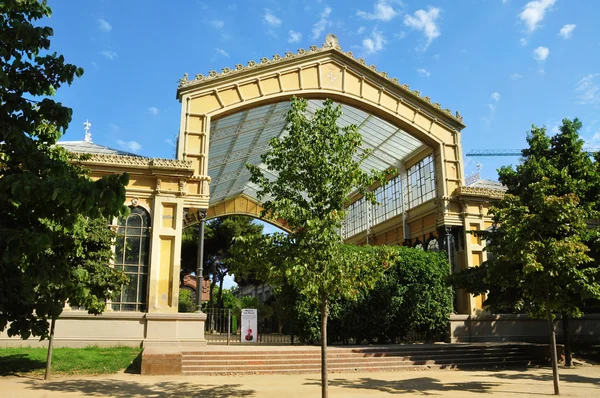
<point x="513" y="152"/>
<point x="494" y="152"/>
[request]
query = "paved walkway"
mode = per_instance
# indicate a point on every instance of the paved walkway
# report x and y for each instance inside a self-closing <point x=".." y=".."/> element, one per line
<point x="578" y="382"/>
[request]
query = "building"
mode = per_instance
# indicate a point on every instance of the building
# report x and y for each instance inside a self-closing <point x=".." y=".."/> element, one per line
<point x="226" y="121"/>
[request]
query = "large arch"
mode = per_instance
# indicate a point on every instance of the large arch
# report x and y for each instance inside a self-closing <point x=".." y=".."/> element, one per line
<point x="324" y="72"/>
<point x="240" y="205"/>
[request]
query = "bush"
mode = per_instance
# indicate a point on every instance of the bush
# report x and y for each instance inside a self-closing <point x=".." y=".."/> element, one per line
<point x="412" y="297"/>
<point x="186" y="301"/>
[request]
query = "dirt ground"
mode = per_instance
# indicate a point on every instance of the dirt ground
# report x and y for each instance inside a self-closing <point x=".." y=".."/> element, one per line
<point x="578" y="382"/>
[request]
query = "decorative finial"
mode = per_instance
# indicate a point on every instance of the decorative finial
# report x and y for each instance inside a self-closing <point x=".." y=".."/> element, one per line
<point x="331" y="40"/>
<point x="86" y="127"/>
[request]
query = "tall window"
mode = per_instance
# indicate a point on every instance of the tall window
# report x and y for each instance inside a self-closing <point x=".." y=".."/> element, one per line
<point x="421" y="181"/>
<point x="132" y="256"/>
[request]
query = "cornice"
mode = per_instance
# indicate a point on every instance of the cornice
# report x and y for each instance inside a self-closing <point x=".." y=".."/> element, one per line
<point x="185" y="83"/>
<point x="473" y="191"/>
<point x="120" y="160"/>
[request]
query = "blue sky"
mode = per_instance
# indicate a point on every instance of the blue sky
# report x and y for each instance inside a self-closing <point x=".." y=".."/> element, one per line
<point x="504" y="64"/>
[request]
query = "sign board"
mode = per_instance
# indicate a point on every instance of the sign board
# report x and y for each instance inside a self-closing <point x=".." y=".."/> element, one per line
<point x="249" y="329"/>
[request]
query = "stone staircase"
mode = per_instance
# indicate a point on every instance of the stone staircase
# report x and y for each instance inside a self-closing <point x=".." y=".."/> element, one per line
<point x="271" y="360"/>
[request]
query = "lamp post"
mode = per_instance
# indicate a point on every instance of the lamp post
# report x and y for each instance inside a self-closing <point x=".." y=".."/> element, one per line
<point x="199" y="270"/>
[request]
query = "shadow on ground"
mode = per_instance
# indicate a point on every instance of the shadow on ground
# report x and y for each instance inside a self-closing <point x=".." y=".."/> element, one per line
<point x="17" y="364"/>
<point x="122" y="389"/>
<point x="570" y="378"/>
<point x="418" y="385"/>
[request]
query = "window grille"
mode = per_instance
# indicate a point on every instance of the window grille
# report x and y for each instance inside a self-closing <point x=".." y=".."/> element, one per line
<point x="132" y="255"/>
<point x="421" y="180"/>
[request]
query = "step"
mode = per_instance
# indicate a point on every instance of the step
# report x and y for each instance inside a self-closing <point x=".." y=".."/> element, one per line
<point x="278" y="359"/>
<point x="336" y="353"/>
<point x="317" y="369"/>
<point x="340" y="365"/>
<point x="244" y="357"/>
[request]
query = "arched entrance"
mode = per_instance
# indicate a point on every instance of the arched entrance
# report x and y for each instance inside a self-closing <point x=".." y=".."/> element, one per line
<point x="318" y="73"/>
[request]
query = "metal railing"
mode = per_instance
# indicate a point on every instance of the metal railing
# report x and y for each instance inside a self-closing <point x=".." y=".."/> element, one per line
<point x="222" y="327"/>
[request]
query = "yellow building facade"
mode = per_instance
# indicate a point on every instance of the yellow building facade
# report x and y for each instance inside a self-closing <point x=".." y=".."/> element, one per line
<point x="226" y="121"/>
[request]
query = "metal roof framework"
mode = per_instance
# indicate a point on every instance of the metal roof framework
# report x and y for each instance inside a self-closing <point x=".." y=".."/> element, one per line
<point x="243" y="137"/>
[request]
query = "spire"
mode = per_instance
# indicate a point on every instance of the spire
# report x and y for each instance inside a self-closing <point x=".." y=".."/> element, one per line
<point x="86" y="127"/>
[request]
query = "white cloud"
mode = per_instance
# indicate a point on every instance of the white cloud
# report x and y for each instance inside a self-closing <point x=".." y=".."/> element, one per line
<point x="400" y="35"/>
<point x="504" y="1"/>
<point x="383" y="11"/>
<point x="541" y="53"/>
<point x="153" y="110"/>
<point x="567" y="31"/>
<point x="424" y="72"/>
<point x="425" y="21"/>
<point x="533" y="13"/>
<point x="523" y="41"/>
<point x="271" y="19"/>
<point x="109" y="54"/>
<point x="496" y="96"/>
<point x="320" y="26"/>
<point x="361" y="30"/>
<point x="217" y="23"/>
<point x="491" y="107"/>
<point x="588" y="90"/>
<point x="222" y="52"/>
<point x="295" y="37"/>
<point x="132" y="146"/>
<point x="103" y="25"/>
<point x="516" y="76"/>
<point x="374" y="43"/>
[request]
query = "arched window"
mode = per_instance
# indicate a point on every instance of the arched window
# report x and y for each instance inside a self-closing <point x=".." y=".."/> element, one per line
<point x="132" y="253"/>
<point x="433" y="245"/>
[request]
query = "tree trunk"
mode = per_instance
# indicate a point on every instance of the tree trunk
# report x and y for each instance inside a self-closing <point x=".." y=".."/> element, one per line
<point x="211" y="306"/>
<point x="553" y="349"/>
<point x="220" y="294"/>
<point x="566" y="339"/>
<point x="50" y="343"/>
<point x="324" y="315"/>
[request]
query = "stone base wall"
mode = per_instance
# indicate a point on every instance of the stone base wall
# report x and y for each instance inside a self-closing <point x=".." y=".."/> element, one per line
<point x="498" y="328"/>
<point x="79" y="329"/>
<point x="158" y="361"/>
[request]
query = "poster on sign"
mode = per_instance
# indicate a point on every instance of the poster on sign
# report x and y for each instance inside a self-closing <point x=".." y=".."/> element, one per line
<point x="249" y="329"/>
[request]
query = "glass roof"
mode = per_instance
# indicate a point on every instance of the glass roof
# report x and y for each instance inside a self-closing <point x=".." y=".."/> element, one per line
<point x="242" y="137"/>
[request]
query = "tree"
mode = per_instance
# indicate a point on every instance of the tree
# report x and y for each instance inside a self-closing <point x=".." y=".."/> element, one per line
<point x="87" y="283"/>
<point x="43" y="192"/>
<point x="220" y="234"/>
<point x="543" y="231"/>
<point x="316" y="173"/>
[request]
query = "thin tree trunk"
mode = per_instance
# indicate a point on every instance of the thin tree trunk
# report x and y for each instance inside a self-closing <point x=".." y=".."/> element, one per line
<point x="324" y="315"/>
<point x="211" y="320"/>
<point x="567" y="339"/>
<point x="553" y="349"/>
<point x="50" y="344"/>
<point x="220" y="294"/>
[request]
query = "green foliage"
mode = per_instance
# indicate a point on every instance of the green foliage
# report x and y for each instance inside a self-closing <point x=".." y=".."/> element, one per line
<point x="219" y="236"/>
<point x="186" y="301"/>
<point x="412" y="296"/>
<point x="316" y="174"/>
<point x="544" y="229"/>
<point x="44" y="195"/>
